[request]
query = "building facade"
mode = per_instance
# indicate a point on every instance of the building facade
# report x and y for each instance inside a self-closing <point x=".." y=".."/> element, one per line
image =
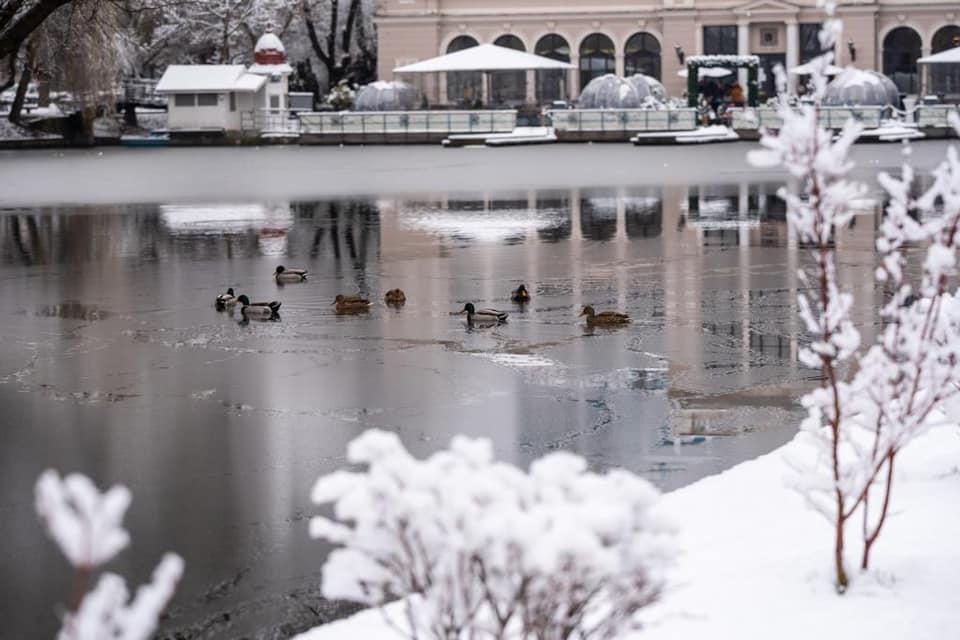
<point x="599" y="36"/>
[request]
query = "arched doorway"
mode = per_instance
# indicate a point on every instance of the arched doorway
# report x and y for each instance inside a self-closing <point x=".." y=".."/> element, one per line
<point x="550" y="82"/>
<point x="464" y="88"/>
<point x="596" y="58"/>
<point x="642" y="55"/>
<point x="901" y="49"/>
<point x="509" y="87"/>
<point x="945" y="78"/>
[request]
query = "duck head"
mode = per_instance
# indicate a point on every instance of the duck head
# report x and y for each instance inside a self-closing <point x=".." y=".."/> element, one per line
<point x="468" y="309"/>
<point x="522" y="289"/>
<point x="338" y="299"/>
<point x="280" y="269"/>
<point x="587" y="311"/>
<point x="243" y="299"/>
<point x="230" y="291"/>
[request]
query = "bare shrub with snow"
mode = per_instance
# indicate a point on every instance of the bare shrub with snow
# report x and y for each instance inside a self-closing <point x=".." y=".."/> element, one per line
<point x="858" y="423"/>
<point x="88" y="528"/>
<point x="479" y="549"/>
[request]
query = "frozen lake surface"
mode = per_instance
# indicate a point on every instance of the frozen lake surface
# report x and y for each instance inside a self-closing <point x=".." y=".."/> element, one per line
<point x="114" y="362"/>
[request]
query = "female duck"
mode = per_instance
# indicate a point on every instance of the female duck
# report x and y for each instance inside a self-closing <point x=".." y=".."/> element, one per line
<point x="225" y="300"/>
<point x="258" y="310"/>
<point x="351" y="304"/>
<point x="282" y="274"/>
<point x="604" y="317"/>
<point x="395" y="298"/>
<point x="520" y="295"/>
<point x="483" y="317"/>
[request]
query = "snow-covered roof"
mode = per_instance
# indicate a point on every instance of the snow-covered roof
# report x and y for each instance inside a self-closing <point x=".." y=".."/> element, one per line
<point x="269" y="41"/>
<point x="950" y="56"/>
<point x="270" y="69"/>
<point x="185" y="78"/>
<point x="484" y="57"/>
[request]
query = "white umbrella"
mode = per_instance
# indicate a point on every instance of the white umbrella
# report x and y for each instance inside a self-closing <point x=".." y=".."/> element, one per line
<point x="484" y="57"/>
<point x="707" y="72"/>
<point x="807" y="69"/>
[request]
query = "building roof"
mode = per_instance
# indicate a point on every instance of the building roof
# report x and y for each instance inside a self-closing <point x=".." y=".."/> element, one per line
<point x="484" y="57"/>
<point x="950" y="56"/>
<point x="269" y="42"/>
<point x="198" y="78"/>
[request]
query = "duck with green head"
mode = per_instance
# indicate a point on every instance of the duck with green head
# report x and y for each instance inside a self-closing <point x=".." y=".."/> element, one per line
<point x="258" y="310"/>
<point x="483" y="317"/>
<point x="604" y="318"/>
<point x="351" y="304"/>
<point x="284" y="274"/>
<point x="225" y="300"/>
<point x="520" y="295"/>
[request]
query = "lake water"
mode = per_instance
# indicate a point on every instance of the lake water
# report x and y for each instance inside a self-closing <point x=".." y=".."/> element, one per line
<point x="114" y="362"/>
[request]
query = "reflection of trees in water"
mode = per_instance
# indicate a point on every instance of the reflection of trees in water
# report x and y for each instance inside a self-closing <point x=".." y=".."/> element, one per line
<point x="642" y="213"/>
<point x="58" y="235"/>
<point x="348" y="232"/>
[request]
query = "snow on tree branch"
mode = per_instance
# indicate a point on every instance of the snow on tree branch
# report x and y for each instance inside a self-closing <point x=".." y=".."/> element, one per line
<point x="478" y="548"/>
<point x="88" y="527"/>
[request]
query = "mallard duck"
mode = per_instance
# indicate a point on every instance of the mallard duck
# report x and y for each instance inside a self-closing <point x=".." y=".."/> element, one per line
<point x="282" y="274"/>
<point x="604" y="317"/>
<point x="483" y="317"/>
<point x="351" y="304"/>
<point x="225" y="300"/>
<point x="258" y="310"/>
<point x="520" y="294"/>
<point x="395" y="297"/>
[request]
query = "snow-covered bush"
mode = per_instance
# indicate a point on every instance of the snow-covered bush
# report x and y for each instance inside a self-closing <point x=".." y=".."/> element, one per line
<point x="857" y="423"/>
<point x="480" y="549"/>
<point x="341" y="96"/>
<point x="88" y="528"/>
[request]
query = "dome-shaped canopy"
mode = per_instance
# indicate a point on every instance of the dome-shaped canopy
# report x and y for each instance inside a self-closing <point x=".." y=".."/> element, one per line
<point x="609" y="92"/>
<point x="855" y="87"/>
<point x="386" y="96"/>
<point x="648" y="86"/>
<point x="269" y="49"/>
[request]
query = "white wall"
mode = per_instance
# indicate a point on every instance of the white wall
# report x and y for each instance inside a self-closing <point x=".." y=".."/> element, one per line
<point x="197" y="117"/>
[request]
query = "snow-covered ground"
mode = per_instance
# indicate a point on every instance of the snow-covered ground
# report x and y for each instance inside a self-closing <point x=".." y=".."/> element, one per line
<point x="756" y="561"/>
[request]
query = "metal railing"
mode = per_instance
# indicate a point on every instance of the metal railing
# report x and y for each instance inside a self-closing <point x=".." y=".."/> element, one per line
<point x="830" y="117"/>
<point x="935" y="115"/>
<point x="269" y="121"/>
<point x="623" y="120"/>
<point x="407" y="122"/>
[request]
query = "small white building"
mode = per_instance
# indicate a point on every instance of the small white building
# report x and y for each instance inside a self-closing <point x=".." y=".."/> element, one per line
<point x="229" y="98"/>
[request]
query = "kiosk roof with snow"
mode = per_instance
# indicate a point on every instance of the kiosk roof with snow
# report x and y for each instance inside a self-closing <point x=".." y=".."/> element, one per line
<point x="694" y="63"/>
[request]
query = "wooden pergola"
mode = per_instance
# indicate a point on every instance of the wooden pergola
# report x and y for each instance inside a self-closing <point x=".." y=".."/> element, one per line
<point x="695" y="63"/>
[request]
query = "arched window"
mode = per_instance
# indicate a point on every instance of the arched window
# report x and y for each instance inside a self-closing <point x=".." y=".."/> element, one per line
<point x="509" y="87"/>
<point x="945" y="78"/>
<point x="901" y="49"/>
<point x="464" y="88"/>
<point x="551" y="82"/>
<point x="642" y="55"/>
<point x="596" y="58"/>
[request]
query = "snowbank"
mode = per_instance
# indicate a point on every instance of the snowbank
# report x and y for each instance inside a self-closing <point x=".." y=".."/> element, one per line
<point x="756" y="561"/>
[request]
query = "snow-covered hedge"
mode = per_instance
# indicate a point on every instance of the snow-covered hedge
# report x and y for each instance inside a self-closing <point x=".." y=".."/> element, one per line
<point x="478" y="548"/>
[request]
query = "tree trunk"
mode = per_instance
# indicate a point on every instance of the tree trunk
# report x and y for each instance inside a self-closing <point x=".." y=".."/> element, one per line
<point x="12" y="35"/>
<point x="11" y="72"/>
<point x="25" y="77"/>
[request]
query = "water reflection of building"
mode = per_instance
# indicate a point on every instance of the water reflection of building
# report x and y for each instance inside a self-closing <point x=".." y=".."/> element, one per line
<point x="271" y="223"/>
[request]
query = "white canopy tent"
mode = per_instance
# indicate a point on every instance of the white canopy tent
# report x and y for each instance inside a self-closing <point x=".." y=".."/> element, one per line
<point x="949" y="74"/>
<point x="486" y="59"/>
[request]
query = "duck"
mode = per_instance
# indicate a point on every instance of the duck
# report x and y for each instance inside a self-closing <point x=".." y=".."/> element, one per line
<point x="283" y="274"/>
<point x="258" y="310"/>
<point x="483" y="317"/>
<point x="520" y="295"/>
<point x="604" y="317"/>
<point x="351" y="304"/>
<point x="225" y="300"/>
<point x="395" y="297"/>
